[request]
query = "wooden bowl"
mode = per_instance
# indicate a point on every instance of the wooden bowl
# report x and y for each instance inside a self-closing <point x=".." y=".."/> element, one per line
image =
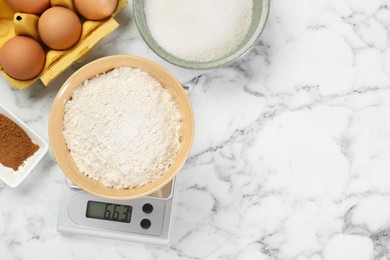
<point x="102" y="65"/>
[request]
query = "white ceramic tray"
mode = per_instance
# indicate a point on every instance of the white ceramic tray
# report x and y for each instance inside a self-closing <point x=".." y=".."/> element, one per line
<point x="8" y="175"/>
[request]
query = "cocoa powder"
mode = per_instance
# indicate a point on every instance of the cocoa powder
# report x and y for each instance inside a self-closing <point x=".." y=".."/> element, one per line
<point x="15" y="145"/>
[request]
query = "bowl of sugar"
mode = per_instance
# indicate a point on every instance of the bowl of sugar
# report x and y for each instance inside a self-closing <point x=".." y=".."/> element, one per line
<point x="121" y="127"/>
<point x="200" y="34"/>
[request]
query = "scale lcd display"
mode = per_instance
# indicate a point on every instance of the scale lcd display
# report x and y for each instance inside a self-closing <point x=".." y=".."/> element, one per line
<point x="108" y="211"/>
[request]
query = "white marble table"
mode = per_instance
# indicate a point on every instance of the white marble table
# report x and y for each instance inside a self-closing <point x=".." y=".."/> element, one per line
<point x="291" y="158"/>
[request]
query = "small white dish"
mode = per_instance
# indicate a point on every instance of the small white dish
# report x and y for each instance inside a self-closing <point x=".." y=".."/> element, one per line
<point x="8" y="175"/>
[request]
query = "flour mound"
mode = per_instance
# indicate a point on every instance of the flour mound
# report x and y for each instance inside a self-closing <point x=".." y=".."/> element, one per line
<point x="122" y="128"/>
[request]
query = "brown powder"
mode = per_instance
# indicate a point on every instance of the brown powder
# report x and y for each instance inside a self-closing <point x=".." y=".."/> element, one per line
<point x="15" y="145"/>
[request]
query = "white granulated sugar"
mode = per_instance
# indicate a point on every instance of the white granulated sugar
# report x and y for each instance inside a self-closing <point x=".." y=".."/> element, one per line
<point x="199" y="30"/>
<point x="122" y="128"/>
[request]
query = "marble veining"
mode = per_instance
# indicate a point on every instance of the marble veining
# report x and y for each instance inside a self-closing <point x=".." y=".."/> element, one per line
<point x="291" y="152"/>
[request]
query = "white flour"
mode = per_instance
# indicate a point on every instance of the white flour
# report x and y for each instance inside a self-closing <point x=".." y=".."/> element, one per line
<point x="199" y="30"/>
<point x="122" y="128"/>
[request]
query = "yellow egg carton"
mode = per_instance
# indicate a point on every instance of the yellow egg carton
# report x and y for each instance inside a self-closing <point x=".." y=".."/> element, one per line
<point x="12" y="24"/>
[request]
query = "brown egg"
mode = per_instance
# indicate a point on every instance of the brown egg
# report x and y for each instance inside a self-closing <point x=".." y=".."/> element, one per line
<point x="96" y="9"/>
<point x="59" y="28"/>
<point x="29" y="6"/>
<point x="22" y="58"/>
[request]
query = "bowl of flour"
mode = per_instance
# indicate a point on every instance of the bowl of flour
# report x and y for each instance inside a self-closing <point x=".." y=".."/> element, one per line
<point x="121" y="127"/>
<point x="201" y="34"/>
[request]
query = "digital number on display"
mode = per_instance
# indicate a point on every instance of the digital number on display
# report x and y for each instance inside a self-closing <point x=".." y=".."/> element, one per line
<point x="109" y="211"/>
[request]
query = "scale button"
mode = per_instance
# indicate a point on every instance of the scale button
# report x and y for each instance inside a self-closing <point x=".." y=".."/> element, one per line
<point x="147" y="208"/>
<point x="145" y="223"/>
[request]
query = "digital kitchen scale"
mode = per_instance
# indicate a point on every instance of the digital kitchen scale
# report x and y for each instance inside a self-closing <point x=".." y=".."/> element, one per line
<point x="145" y="220"/>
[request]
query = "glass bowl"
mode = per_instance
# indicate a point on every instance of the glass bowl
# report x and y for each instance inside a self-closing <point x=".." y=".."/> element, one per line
<point x="259" y="19"/>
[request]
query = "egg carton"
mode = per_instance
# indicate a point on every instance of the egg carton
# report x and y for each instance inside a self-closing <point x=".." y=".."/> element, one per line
<point x="13" y="24"/>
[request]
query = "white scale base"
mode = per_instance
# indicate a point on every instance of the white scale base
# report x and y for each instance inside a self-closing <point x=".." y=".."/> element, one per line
<point x="150" y="218"/>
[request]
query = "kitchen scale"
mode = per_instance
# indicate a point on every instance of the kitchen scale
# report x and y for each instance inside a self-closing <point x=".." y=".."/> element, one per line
<point x="145" y="220"/>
